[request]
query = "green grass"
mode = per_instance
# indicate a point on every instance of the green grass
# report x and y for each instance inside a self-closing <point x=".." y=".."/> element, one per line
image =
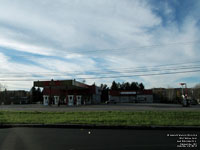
<point x="144" y="118"/>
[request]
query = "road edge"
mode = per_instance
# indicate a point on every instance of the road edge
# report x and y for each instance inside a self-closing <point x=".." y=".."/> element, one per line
<point x="80" y="126"/>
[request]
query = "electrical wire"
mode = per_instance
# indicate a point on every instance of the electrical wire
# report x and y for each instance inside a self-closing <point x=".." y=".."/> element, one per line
<point x="122" y="70"/>
<point x="119" y="76"/>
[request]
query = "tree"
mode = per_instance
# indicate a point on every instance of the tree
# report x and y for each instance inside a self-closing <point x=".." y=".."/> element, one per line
<point x="134" y="86"/>
<point x="127" y="86"/>
<point x="2" y="87"/>
<point x="3" y="93"/>
<point x="33" y="94"/>
<point x="141" y="86"/>
<point x="39" y="95"/>
<point x="36" y="95"/>
<point x="94" y="84"/>
<point x="104" y="92"/>
<point x="104" y="87"/>
<point x="114" y="86"/>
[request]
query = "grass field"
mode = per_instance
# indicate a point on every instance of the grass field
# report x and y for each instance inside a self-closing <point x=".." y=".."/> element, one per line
<point x="116" y="118"/>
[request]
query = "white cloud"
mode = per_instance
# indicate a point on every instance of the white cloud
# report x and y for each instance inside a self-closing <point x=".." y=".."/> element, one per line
<point x="69" y="28"/>
<point x="75" y="24"/>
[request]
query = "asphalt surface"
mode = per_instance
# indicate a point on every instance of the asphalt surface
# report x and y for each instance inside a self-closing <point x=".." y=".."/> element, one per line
<point x="91" y="139"/>
<point x="102" y="107"/>
<point x="62" y="138"/>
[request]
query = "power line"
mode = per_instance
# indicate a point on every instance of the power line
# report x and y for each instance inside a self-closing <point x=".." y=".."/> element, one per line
<point x="139" y="47"/>
<point x="104" y="77"/>
<point x="116" y="72"/>
<point x="167" y="73"/>
<point x="137" y="69"/>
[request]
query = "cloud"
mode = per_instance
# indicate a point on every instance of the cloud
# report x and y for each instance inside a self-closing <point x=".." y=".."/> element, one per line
<point x="121" y="34"/>
<point x="73" y="24"/>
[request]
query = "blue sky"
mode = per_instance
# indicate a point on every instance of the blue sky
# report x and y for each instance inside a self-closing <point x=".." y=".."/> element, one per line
<point x="151" y="41"/>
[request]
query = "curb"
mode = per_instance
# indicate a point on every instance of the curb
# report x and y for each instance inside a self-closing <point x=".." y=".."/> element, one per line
<point x="79" y="126"/>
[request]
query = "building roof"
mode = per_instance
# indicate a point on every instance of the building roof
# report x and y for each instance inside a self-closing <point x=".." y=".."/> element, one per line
<point x="69" y="84"/>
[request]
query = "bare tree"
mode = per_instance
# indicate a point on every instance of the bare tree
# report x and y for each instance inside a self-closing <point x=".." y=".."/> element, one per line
<point x="2" y="87"/>
<point x="2" y="93"/>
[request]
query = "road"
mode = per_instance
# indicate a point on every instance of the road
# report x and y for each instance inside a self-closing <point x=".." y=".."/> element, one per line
<point x="89" y="139"/>
<point x="102" y="107"/>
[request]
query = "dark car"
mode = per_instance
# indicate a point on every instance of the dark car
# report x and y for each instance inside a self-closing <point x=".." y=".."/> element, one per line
<point x="111" y="102"/>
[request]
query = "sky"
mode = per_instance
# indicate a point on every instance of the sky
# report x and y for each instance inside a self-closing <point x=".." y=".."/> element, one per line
<point x="155" y="42"/>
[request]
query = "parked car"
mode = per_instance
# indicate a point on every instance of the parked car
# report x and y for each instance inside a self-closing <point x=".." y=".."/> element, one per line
<point x="111" y="102"/>
<point x="193" y="102"/>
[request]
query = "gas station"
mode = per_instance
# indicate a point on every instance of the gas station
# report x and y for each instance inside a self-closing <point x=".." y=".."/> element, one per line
<point x="68" y="92"/>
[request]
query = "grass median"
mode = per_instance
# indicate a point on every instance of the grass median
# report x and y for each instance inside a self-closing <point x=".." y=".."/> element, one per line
<point x="114" y="118"/>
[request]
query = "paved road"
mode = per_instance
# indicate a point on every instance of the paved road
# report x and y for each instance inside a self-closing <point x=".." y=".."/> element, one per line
<point x="111" y="107"/>
<point x="95" y="139"/>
